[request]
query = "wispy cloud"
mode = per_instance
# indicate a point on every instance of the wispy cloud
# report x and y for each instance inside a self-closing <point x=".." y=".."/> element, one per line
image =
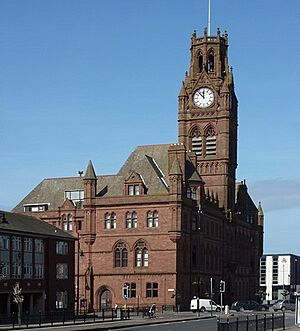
<point x="276" y="193"/>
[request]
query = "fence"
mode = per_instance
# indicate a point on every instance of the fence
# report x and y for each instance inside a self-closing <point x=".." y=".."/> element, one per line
<point x="63" y="317"/>
<point x="259" y="322"/>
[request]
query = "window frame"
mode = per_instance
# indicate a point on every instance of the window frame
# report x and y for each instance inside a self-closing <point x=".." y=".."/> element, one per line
<point x="152" y="290"/>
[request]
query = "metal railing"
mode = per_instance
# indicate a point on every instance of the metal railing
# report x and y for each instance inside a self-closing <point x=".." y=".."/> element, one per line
<point x="258" y="322"/>
<point x="62" y="317"/>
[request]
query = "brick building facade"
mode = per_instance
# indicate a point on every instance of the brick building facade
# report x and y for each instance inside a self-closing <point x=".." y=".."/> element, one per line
<point x="174" y="216"/>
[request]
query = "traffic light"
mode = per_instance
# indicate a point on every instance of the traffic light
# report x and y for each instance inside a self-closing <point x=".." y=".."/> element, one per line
<point x="222" y="286"/>
<point x="125" y="291"/>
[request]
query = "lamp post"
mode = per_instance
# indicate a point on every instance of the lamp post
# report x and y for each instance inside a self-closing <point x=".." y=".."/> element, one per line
<point x="296" y="275"/>
<point x="79" y="253"/>
<point x="198" y="282"/>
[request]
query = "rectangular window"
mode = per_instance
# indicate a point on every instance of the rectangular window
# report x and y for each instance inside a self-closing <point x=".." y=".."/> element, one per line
<point x="197" y="145"/>
<point x="16" y="257"/>
<point x="133" y="190"/>
<point x="38" y="259"/>
<point x="4" y="256"/>
<point x="275" y="270"/>
<point x="4" y="242"/>
<point x="211" y="145"/>
<point x="61" y="300"/>
<point x="75" y="195"/>
<point x="17" y="244"/>
<point x="151" y="290"/>
<point x="36" y="207"/>
<point x="61" y="271"/>
<point x="131" y="290"/>
<point x="39" y="246"/>
<point x="38" y="271"/>
<point x="62" y="248"/>
<point x="263" y="271"/>
<point x="28" y="258"/>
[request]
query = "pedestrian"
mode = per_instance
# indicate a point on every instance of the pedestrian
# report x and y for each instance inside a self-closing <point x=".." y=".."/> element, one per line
<point x="152" y="310"/>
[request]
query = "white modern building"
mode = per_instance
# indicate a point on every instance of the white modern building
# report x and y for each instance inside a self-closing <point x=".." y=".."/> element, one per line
<point x="279" y="276"/>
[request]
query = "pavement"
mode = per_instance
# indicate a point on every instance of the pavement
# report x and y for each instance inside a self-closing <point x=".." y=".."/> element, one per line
<point x="166" y="317"/>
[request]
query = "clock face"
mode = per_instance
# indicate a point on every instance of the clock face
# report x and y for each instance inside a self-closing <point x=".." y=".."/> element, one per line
<point x="203" y="97"/>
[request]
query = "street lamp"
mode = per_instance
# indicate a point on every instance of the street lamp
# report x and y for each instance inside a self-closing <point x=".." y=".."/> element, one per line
<point x="296" y="274"/>
<point x="79" y="253"/>
<point x="198" y="282"/>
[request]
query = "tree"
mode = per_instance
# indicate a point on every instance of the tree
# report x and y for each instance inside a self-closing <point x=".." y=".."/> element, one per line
<point x="18" y="299"/>
<point x="261" y="294"/>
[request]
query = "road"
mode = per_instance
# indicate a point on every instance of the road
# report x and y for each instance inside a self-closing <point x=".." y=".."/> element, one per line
<point x="195" y="325"/>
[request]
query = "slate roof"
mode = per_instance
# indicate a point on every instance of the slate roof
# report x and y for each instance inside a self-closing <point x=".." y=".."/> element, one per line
<point x="30" y="225"/>
<point x="51" y="190"/>
<point x="150" y="161"/>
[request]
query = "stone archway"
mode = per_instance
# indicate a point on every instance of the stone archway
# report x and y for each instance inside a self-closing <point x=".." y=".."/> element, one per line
<point x="105" y="299"/>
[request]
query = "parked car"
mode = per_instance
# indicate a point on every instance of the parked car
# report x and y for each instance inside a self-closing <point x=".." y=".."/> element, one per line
<point x="204" y="305"/>
<point x="242" y="305"/>
<point x="284" y="305"/>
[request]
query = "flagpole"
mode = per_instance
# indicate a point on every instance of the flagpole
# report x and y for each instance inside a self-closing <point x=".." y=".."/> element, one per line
<point x="208" y="28"/>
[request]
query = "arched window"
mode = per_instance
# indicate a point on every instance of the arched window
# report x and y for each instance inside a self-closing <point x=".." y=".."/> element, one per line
<point x="211" y="62"/>
<point x="191" y="193"/>
<point x="131" y="220"/>
<point x="200" y="62"/>
<point x="152" y="219"/>
<point x="110" y="221"/>
<point x="141" y="254"/>
<point x="67" y="222"/>
<point x="211" y="146"/>
<point x="120" y="255"/>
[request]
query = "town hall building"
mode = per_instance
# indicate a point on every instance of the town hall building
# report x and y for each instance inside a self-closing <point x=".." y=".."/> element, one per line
<point x="174" y="220"/>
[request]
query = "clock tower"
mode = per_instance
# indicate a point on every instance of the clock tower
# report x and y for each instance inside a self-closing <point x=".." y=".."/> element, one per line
<point x="207" y="116"/>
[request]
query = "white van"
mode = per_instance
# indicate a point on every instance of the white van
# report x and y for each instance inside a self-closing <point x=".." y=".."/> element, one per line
<point x="204" y="305"/>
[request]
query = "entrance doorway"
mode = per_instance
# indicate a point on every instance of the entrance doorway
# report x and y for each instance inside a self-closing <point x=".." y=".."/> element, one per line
<point x="105" y="299"/>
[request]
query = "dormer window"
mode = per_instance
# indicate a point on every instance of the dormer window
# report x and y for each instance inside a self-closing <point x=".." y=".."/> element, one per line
<point x="36" y="207"/>
<point x="134" y="184"/>
<point x="74" y="195"/>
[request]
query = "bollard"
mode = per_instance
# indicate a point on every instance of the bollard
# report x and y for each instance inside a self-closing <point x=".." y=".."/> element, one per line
<point x="226" y="310"/>
<point x="40" y="318"/>
<point x="13" y="320"/>
<point x="237" y="324"/>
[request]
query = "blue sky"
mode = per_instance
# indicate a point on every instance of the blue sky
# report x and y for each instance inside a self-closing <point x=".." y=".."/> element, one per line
<point x="92" y="79"/>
